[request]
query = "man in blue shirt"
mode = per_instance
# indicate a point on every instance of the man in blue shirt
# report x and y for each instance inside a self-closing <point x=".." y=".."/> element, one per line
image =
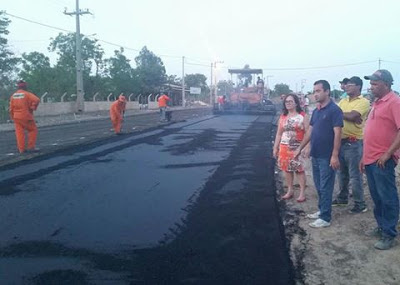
<point x="324" y="134"/>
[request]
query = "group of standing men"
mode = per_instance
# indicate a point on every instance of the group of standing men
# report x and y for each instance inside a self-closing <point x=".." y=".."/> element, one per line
<point x="353" y="138"/>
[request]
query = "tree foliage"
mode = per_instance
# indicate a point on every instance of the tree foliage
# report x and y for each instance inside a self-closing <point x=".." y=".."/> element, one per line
<point x="8" y="62"/>
<point x="336" y="93"/>
<point x="174" y="79"/>
<point x="196" y="80"/>
<point x="100" y="75"/>
<point x="122" y="77"/>
<point x="280" y="89"/>
<point x="37" y="70"/>
<point x="92" y="53"/>
<point x="150" y="71"/>
<point x="225" y="87"/>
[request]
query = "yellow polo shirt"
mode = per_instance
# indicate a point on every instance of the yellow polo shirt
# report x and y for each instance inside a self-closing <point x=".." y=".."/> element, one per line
<point x="362" y="106"/>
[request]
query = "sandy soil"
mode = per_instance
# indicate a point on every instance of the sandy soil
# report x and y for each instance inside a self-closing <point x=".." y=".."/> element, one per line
<point x="342" y="253"/>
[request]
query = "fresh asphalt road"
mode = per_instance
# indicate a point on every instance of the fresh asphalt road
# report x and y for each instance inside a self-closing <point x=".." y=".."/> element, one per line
<point x="59" y="136"/>
<point x="192" y="202"/>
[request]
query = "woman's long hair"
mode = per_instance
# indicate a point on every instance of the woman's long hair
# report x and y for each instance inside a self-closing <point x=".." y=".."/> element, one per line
<point x="296" y="99"/>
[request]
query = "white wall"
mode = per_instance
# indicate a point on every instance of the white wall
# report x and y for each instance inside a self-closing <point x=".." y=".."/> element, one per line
<point x="57" y="108"/>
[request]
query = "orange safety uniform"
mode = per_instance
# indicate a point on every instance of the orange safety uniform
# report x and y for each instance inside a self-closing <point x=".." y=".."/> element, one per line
<point x="22" y="105"/>
<point x="116" y="113"/>
<point x="162" y="101"/>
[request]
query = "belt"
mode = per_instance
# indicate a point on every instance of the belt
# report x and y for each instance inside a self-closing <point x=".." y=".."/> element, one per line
<point x="351" y="140"/>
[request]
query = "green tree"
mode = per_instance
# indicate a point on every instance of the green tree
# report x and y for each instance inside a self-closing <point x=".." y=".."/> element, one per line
<point x="174" y="79"/>
<point x="36" y="70"/>
<point x="150" y="71"/>
<point x="92" y="59"/>
<point x="225" y="87"/>
<point x="280" y="89"/>
<point x="196" y="80"/>
<point x="92" y="53"/>
<point x="8" y="62"/>
<point x="121" y="76"/>
<point x="336" y="93"/>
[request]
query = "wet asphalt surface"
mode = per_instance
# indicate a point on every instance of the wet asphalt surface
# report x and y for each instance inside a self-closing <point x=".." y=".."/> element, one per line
<point x="187" y="203"/>
<point x="59" y="136"/>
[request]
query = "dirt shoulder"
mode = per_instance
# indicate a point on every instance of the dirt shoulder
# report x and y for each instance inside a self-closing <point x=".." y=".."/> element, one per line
<point x="342" y="253"/>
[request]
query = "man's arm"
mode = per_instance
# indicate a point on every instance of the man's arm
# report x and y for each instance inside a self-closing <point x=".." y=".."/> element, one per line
<point x="306" y="127"/>
<point x="11" y="110"/>
<point x="34" y="101"/>
<point x="359" y="111"/>
<point x="388" y="154"/>
<point x="396" y="143"/>
<point x="352" y="116"/>
<point x="304" y="142"/>
<point x="335" y="164"/>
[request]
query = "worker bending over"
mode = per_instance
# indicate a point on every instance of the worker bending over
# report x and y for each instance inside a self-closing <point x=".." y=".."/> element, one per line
<point x="117" y="111"/>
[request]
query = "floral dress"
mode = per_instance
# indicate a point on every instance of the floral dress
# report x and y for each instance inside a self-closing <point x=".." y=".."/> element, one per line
<point x="293" y="133"/>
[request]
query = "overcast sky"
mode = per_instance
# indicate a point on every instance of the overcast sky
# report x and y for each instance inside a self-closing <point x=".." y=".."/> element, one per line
<point x="262" y="33"/>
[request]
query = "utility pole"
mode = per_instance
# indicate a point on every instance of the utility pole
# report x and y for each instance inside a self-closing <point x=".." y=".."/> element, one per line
<point x="214" y="65"/>
<point x="269" y="89"/>
<point x="379" y="63"/>
<point x="80" y="104"/>
<point x="211" y="83"/>
<point x="303" y="82"/>
<point x="183" y="82"/>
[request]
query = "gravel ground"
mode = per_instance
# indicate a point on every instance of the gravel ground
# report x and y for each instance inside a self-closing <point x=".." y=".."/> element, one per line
<point x="342" y="253"/>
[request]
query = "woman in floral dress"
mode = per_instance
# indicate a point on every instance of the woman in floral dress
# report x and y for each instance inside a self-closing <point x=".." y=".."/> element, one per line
<point x="292" y="126"/>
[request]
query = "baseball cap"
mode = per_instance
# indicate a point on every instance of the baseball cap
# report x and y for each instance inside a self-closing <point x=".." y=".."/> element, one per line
<point x="344" y="81"/>
<point x="381" y="74"/>
<point x="21" y="84"/>
<point x="356" y="80"/>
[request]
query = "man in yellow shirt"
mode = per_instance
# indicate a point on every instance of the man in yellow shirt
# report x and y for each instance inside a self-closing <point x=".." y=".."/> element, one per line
<point x="355" y="110"/>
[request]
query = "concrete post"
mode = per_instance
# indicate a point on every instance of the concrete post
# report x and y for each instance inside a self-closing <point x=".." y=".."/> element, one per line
<point x="63" y="96"/>
<point x="108" y="97"/>
<point x="43" y="96"/>
<point x="94" y="96"/>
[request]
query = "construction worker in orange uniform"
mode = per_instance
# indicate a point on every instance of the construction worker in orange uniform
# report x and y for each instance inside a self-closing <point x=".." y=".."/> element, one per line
<point x="22" y="105"/>
<point x="221" y="103"/>
<point x="162" y="104"/>
<point x="117" y="111"/>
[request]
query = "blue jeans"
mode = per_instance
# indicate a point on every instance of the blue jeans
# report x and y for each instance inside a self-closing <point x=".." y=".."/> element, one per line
<point x="324" y="180"/>
<point x="162" y="113"/>
<point x="350" y="156"/>
<point x="382" y="185"/>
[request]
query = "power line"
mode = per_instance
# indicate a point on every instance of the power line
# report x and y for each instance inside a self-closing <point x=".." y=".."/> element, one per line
<point x="198" y="64"/>
<point x="89" y="36"/>
<point x="320" y="67"/>
<point x="37" y="23"/>
<point x="389" y="61"/>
